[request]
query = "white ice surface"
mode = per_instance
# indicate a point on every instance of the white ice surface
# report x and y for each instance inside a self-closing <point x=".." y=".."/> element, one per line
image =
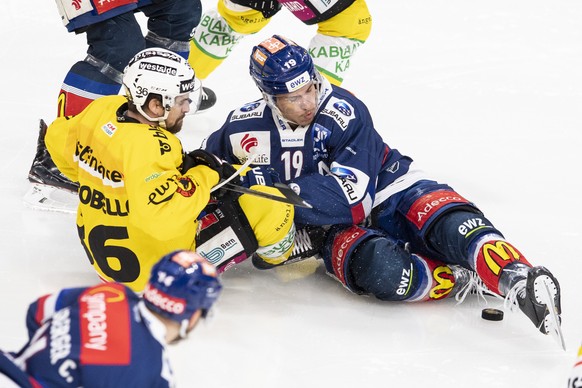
<point x="485" y="95"/>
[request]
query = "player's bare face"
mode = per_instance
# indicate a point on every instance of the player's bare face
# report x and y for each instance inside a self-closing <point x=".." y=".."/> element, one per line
<point x="299" y="106"/>
<point x="177" y="113"/>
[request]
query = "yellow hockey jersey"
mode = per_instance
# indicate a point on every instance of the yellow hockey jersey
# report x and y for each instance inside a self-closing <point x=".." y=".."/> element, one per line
<point x="135" y="204"/>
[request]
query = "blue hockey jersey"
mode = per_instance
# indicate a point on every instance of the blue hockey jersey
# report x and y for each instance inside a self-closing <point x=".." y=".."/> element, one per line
<point x="101" y="336"/>
<point x="339" y="163"/>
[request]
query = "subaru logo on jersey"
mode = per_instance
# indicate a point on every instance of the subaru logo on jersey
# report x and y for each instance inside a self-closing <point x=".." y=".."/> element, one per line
<point x="341" y="111"/>
<point x="344" y="173"/>
<point x="252" y="143"/>
<point x="250" y="106"/>
<point x="353" y="182"/>
<point x="343" y="108"/>
<point x="298" y="82"/>
<point x="248" y="111"/>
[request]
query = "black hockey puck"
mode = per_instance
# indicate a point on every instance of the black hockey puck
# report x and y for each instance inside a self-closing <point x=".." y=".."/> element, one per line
<point x="492" y="314"/>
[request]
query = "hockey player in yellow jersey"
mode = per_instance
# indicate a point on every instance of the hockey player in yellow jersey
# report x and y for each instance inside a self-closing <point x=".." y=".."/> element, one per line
<point x="140" y="196"/>
<point x="342" y="27"/>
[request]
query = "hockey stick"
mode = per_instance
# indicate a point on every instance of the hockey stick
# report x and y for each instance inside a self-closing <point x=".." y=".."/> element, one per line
<point x="236" y="173"/>
<point x="290" y="196"/>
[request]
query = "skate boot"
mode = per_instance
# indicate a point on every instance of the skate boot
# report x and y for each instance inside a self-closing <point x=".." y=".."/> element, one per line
<point x="308" y="242"/>
<point x="43" y="169"/>
<point x="538" y="296"/>
<point x="467" y="282"/>
<point x="207" y="99"/>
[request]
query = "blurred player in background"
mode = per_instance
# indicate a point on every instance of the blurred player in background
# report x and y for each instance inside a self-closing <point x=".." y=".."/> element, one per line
<point x="342" y="27"/>
<point x="575" y="380"/>
<point x="381" y="225"/>
<point x="140" y="196"/>
<point x="114" y="36"/>
<point x="107" y="335"/>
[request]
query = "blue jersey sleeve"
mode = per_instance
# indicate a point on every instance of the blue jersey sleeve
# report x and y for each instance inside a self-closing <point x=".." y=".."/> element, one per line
<point x="350" y="154"/>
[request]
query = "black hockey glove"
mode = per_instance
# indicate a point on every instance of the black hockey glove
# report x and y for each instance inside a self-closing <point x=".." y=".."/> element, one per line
<point x="205" y="158"/>
<point x="267" y="7"/>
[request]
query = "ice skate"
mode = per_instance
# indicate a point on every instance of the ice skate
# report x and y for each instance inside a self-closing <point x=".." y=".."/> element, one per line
<point x="43" y="169"/>
<point x="467" y="282"/>
<point x="538" y="297"/>
<point x="50" y="189"/>
<point x="308" y="242"/>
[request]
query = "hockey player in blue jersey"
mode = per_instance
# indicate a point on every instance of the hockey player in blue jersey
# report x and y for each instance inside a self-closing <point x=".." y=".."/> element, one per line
<point x="382" y="227"/>
<point x="108" y="336"/>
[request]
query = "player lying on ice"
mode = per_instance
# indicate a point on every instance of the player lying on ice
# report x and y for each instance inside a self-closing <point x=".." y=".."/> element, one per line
<point x="140" y="196"/>
<point x="107" y="335"/>
<point x="381" y="226"/>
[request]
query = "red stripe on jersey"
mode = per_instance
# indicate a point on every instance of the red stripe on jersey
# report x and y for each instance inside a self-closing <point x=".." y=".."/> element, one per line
<point x="40" y="310"/>
<point x="358" y="213"/>
<point x="104" y="320"/>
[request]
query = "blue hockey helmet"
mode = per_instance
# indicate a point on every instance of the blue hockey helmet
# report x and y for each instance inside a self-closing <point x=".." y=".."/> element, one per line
<point x="182" y="283"/>
<point x="279" y="66"/>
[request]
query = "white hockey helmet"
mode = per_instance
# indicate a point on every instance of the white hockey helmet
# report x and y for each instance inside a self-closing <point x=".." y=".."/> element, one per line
<point x="162" y="72"/>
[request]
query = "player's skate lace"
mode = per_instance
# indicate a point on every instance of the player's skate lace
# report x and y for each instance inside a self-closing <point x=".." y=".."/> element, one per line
<point x="511" y="299"/>
<point x="308" y="242"/>
<point x="302" y="242"/>
<point x="468" y="282"/>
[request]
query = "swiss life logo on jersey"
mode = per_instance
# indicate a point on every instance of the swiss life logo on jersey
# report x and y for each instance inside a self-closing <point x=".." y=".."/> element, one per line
<point x="247" y="144"/>
<point x="104" y="320"/>
<point x="340" y="110"/>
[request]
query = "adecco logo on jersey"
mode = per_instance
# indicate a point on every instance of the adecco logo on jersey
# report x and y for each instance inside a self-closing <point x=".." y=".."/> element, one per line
<point x="427" y="205"/>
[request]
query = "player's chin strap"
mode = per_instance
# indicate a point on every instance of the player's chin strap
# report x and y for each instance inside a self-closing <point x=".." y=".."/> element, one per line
<point x="250" y="160"/>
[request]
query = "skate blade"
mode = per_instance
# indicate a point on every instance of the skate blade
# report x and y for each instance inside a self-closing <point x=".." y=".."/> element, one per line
<point x="552" y="320"/>
<point x="50" y="198"/>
